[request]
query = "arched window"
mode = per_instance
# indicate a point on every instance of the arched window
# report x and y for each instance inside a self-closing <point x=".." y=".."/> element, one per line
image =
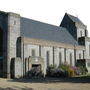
<point x="33" y="52"/>
<point x="48" y="58"/>
<point x="60" y="58"/>
<point x="70" y="58"/>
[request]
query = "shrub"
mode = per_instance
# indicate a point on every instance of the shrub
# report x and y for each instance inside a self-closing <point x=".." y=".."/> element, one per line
<point x="76" y="70"/>
<point x="58" y="73"/>
<point x="50" y="70"/>
<point x="53" y="71"/>
<point x="86" y="70"/>
<point x="65" y="68"/>
<point x="52" y="66"/>
<point x="71" y="72"/>
<point x="83" y="70"/>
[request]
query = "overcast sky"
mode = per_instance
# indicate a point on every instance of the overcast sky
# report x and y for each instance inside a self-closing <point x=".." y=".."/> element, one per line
<point x="49" y="11"/>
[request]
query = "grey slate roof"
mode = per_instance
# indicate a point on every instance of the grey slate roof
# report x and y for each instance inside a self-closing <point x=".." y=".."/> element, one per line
<point x="39" y="30"/>
<point x="75" y="19"/>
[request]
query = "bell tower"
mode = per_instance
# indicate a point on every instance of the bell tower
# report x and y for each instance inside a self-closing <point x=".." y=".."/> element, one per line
<point x="13" y="34"/>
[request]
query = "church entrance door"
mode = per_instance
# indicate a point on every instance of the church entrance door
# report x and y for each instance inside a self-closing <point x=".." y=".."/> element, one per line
<point x="36" y="70"/>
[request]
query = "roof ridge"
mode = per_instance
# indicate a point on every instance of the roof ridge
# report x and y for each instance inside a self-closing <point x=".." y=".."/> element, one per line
<point x="75" y="19"/>
<point x="39" y="21"/>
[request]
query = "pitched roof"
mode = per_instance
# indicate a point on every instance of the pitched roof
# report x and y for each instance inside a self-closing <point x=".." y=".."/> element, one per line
<point x="39" y="30"/>
<point x="75" y="19"/>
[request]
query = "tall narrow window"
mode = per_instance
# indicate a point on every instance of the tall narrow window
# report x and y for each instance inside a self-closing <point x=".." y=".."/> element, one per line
<point x="14" y="22"/>
<point x="70" y="58"/>
<point x="85" y="32"/>
<point x="89" y="50"/>
<point x="79" y="56"/>
<point x="81" y="33"/>
<point x="47" y="57"/>
<point x="60" y="58"/>
<point x="39" y="50"/>
<point x="33" y="52"/>
<point x="53" y="55"/>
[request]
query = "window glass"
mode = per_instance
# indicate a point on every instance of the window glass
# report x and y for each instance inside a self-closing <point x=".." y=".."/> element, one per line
<point x="79" y="56"/>
<point x="47" y="57"/>
<point x="60" y="58"/>
<point x="81" y="33"/>
<point x="33" y="52"/>
<point x="70" y="58"/>
<point x="88" y="64"/>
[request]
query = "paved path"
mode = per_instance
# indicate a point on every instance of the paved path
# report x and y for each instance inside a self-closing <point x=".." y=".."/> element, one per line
<point x="45" y="84"/>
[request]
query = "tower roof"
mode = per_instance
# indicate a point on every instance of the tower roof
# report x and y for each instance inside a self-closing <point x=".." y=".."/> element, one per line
<point x="75" y="19"/>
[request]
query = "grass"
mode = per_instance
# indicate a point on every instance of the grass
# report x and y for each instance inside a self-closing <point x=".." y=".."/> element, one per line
<point x="85" y="75"/>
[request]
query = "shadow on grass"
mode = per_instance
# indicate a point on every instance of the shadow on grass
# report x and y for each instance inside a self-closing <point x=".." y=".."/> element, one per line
<point x="84" y="79"/>
<point x="16" y="88"/>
